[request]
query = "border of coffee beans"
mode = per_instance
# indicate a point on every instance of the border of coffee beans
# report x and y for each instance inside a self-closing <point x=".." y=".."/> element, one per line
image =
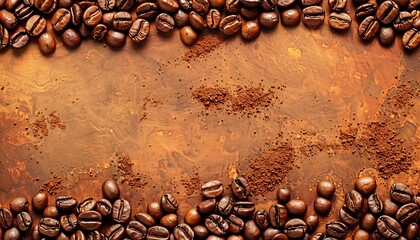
<point x="218" y="216"/>
<point x="112" y="20"/>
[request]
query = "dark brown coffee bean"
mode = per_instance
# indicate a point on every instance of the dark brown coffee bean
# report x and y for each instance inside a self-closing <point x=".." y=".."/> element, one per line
<point x="313" y="16"/>
<point x="65" y="3"/>
<point x="403" y="21"/>
<point x="12" y="234"/>
<point x="139" y="31"/>
<point x="78" y="235"/>
<point x="361" y="235"/>
<point x="197" y="21"/>
<point x="225" y="205"/>
<point x="61" y="19"/>
<point x="155" y="210"/>
<point x="124" y="5"/>
<point x="269" y="19"/>
<point x="200" y="231"/>
<point x="122" y="21"/>
<point x="246" y="209"/>
<point x="262" y="219"/>
<point x="311" y="222"/>
<point x="232" y="6"/>
<point x="200" y="6"/>
<point x="296" y="207"/>
<point x="389" y="227"/>
<point x="354" y="201"/>
<point x="185" y="5"/>
<point x="236" y="224"/>
<point x="95" y="235"/>
<point x="85" y="4"/>
<point x="115" y="232"/>
<point x="136" y="230"/>
<point x="169" y="221"/>
<point x="249" y="13"/>
<point x="147" y="10"/>
<point x="251" y="231"/>
<point x="169" y="203"/>
<point x="365" y="185"/>
<point x="76" y="14"/>
<point x="387" y="12"/>
<point x="19" y="39"/>
<point x="192" y="216"/>
<point x="411" y="39"/>
<point x="347" y="216"/>
<point x="413" y="4"/>
<point x="19" y="204"/>
<point x="217" y="225"/>
<point x="321" y="205"/>
<point x="183" y="232"/>
<point x="46" y="6"/>
<point x="51" y="212"/>
<point x="65" y="203"/>
<point x="365" y="10"/>
<point x="49" y="227"/>
<point x="157" y="233"/>
<point x="35" y="26"/>
<point x="367" y="222"/>
<point x="164" y="23"/>
<point x="415" y="14"/>
<point x="295" y="228"/>
<point x="145" y="219"/>
<point x="213" y="18"/>
<point x="412" y="231"/>
<point x="336" y="229"/>
<point x="92" y="16"/>
<point x="278" y="215"/>
<point x="386" y="37"/>
<point x="4" y="40"/>
<point x="107" y="5"/>
<point x="62" y="236"/>
<point x="230" y="24"/>
<point x="35" y="235"/>
<point x="324" y="188"/>
<point x="368" y="28"/>
<point x="212" y="189"/>
<point x="89" y="203"/>
<point x="90" y="220"/>
<point x="307" y="3"/>
<point x="251" y="3"/>
<point x="121" y="209"/>
<point x="170" y="6"/>
<point x="340" y="21"/>
<point x="23" y="12"/>
<point x="269" y="233"/>
<point x="407" y="213"/>
<point x="104" y="207"/>
<point x="8" y="19"/>
<point x="290" y="17"/>
<point x="217" y="3"/>
<point x="11" y="4"/>
<point x="337" y="5"/>
<point x="285" y="3"/>
<point x="206" y="206"/>
<point x="268" y="5"/>
<point x="23" y="221"/>
<point x="375" y="204"/>
<point x="318" y="236"/>
<point x="72" y="40"/>
<point x="181" y="18"/>
<point x="68" y="222"/>
<point x="108" y="19"/>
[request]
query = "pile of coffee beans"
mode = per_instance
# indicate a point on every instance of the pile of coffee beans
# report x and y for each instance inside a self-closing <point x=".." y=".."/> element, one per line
<point x="218" y="216"/>
<point x="112" y="20"/>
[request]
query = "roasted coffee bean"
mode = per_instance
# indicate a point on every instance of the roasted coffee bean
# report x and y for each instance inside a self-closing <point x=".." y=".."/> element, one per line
<point x="65" y="3"/>
<point x="295" y="228"/>
<point x="376" y="235"/>
<point x="72" y="40"/>
<point x="139" y="31"/>
<point x="312" y="222"/>
<point x="337" y="5"/>
<point x="4" y="41"/>
<point x="11" y="4"/>
<point x="51" y="212"/>
<point x="46" y="44"/>
<point x="85" y="4"/>
<point x="206" y="206"/>
<point x="216" y="3"/>
<point x="280" y="236"/>
<point x="65" y="203"/>
<point x="115" y="232"/>
<point x="200" y="6"/>
<point x="386" y="37"/>
<point x="147" y="10"/>
<point x="213" y="18"/>
<point x="367" y="222"/>
<point x="61" y="19"/>
<point x="8" y="19"/>
<point x="262" y="219"/>
<point x="104" y="207"/>
<point x="91" y="17"/>
<point x="340" y="21"/>
<point x="325" y="189"/>
<point x="412" y="231"/>
<point x="68" y="222"/>
<point x="269" y="233"/>
<point x="413" y="4"/>
<point x="361" y="235"/>
<point x="336" y="229"/>
<point x="169" y="203"/>
<point x="46" y="6"/>
<point x="78" y="235"/>
<point x="164" y="23"/>
<point x="307" y="3"/>
<point x="157" y="233"/>
<point x="108" y="18"/>
<point x="136" y="230"/>
<point x="251" y="231"/>
<point x="268" y="5"/>
<point x="285" y="3"/>
<point x="212" y="189"/>
<point x="49" y="227"/>
<point x="269" y="19"/>
<point x="249" y="13"/>
<point x="23" y="221"/>
<point x="197" y="21"/>
<point x="407" y="213"/>
<point x="76" y="14"/>
<point x="290" y="17"/>
<point x="185" y="5"/>
<point x="387" y="12"/>
<point x="62" y="236"/>
<point x="35" y="26"/>
<point x="232" y="6"/>
<point x="347" y="216"/>
<point x="200" y="231"/>
<point x="246" y="209"/>
<point x="90" y="220"/>
<point x="354" y="200"/>
<point x="404" y="21"/>
<point x="35" y="235"/>
<point x="122" y="21"/>
<point x="368" y="28"/>
<point x="411" y="39"/>
<point x="365" y="10"/>
<point x="365" y="185"/>
<point x="12" y="234"/>
<point x="89" y="203"/>
<point x="181" y="18"/>
<point x="236" y="224"/>
<point x="19" y="204"/>
<point x="145" y="219"/>
<point x="124" y="5"/>
<point x="19" y="39"/>
<point x="318" y="236"/>
<point x="183" y="232"/>
<point x="251" y="3"/>
<point x="217" y="225"/>
<point x="169" y="221"/>
<point x="389" y="227"/>
<point x="155" y="210"/>
<point x="375" y="203"/>
<point x="321" y="205"/>
<point x="296" y="207"/>
<point x="170" y="6"/>
<point x="192" y="216"/>
<point x="26" y="2"/>
<point x="106" y="5"/>
<point x="278" y="215"/>
<point x="23" y="12"/>
<point x="230" y="24"/>
<point x="313" y="16"/>
<point x="121" y="209"/>
<point x="415" y="14"/>
<point x="225" y="205"/>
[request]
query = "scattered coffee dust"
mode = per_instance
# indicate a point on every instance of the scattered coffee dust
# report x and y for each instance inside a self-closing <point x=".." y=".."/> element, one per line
<point x="52" y="186"/>
<point x="205" y="45"/>
<point x="211" y="97"/>
<point x="41" y="125"/>
<point x="192" y="183"/>
<point x="55" y="121"/>
<point x="268" y="167"/>
<point x="126" y="174"/>
<point x="149" y="101"/>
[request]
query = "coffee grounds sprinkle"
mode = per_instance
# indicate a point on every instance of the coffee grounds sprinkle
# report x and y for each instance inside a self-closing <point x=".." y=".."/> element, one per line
<point x="52" y="186"/>
<point x="206" y="44"/>
<point x="192" y="184"/>
<point x="126" y="174"/>
<point x="212" y="97"/>
<point x="41" y="125"/>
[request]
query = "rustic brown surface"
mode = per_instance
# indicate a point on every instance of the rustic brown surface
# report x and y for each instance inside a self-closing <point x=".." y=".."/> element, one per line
<point x="343" y="109"/>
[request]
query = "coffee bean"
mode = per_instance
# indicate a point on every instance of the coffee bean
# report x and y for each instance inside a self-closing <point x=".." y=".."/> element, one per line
<point x="61" y="19"/>
<point x="232" y="6"/>
<point x="250" y="30"/>
<point x="361" y="235"/>
<point x="169" y="203"/>
<point x="313" y="16"/>
<point x="389" y="227"/>
<point x="388" y="36"/>
<point x="19" y="204"/>
<point x="78" y="235"/>
<point x="411" y="39"/>
<point x="155" y="210"/>
<point x="12" y="234"/>
<point x="365" y="185"/>
<point x="200" y="231"/>
<point x="295" y="228"/>
<point x="117" y="40"/>
<point x="225" y="205"/>
<point x="325" y="188"/>
<point x="368" y="28"/>
<point x="35" y="235"/>
<point x="251" y="231"/>
<point x="367" y="222"/>
<point x="403" y="21"/>
<point x="76" y="14"/>
<point x="285" y="3"/>
<point x="169" y="221"/>
<point x="278" y="215"/>
<point x="321" y="205"/>
<point x="91" y="17"/>
<point x="375" y="204"/>
<point x="363" y="11"/>
<point x="65" y="3"/>
<point x="181" y="18"/>
<point x="115" y="232"/>
<point x="290" y="17"/>
<point x="90" y="220"/>
<point x="4" y="38"/>
<point x="46" y="6"/>
<point x="213" y="18"/>
<point x="347" y="216"/>
<point x="312" y="222"/>
<point x="183" y="232"/>
<point x="216" y="3"/>
<point x="407" y="213"/>
<point x="139" y="30"/>
<point x="376" y="235"/>
<point x="337" y="5"/>
<point x="23" y="221"/>
<point x="84" y="31"/>
<point x="46" y="44"/>
<point x="216" y="224"/>
<point x="136" y="230"/>
<point x="51" y="212"/>
<point x="157" y="233"/>
<point x="280" y="236"/>
<point x="413" y="4"/>
<point x="8" y="19"/>
<point x="121" y="209"/>
<point x="62" y="236"/>
<point x="249" y="13"/>
<point x="170" y="6"/>
<point x="354" y="201"/>
<point x="412" y="231"/>
<point x="262" y="219"/>
<point x="145" y="219"/>
<point x="206" y="206"/>
<point x="268" y="19"/>
<point x="212" y="189"/>
<point x="49" y="227"/>
<point x="236" y="224"/>
<point x="147" y="10"/>
<point x="251" y="3"/>
<point x="68" y="222"/>
<point x="340" y="21"/>
<point x="185" y="5"/>
<point x="66" y="203"/>
<point x="230" y="24"/>
<point x="269" y="233"/>
<point x="296" y="207"/>
<point x="104" y="207"/>
<point x="268" y="5"/>
<point x="307" y="3"/>
<point x="197" y="21"/>
<point x="35" y="26"/>
<point x="192" y="217"/>
<point x="318" y="236"/>
<point x="85" y="4"/>
<point x="19" y="39"/>
<point x="244" y="209"/>
<point x="401" y="193"/>
<point x="107" y="5"/>
<point x="387" y="12"/>
<point x="415" y="14"/>
<point x="89" y="203"/>
<point x="11" y="4"/>
<point x="164" y="23"/>
<point x="200" y="6"/>
<point x="23" y="12"/>
<point x="124" y="5"/>
<point x="122" y="21"/>
<point x="336" y="229"/>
